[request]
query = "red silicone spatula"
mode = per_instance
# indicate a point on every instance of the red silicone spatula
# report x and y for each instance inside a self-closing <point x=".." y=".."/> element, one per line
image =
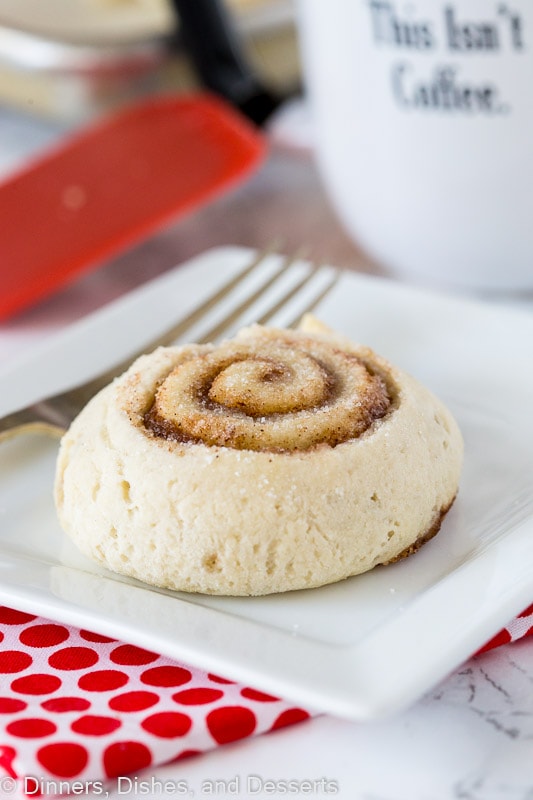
<point x="112" y="185"/>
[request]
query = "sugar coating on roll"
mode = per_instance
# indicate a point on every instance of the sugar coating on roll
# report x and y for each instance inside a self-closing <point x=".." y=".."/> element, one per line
<point x="275" y="461"/>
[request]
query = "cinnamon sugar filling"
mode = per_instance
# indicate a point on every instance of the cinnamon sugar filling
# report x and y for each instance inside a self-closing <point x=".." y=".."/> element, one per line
<point x="275" y="395"/>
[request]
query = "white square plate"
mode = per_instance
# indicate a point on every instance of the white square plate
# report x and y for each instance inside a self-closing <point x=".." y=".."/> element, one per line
<point x="361" y="648"/>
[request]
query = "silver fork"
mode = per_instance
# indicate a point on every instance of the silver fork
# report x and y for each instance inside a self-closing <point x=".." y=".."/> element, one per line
<point x="53" y="415"/>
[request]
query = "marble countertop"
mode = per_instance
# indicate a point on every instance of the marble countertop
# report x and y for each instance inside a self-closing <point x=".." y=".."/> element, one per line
<point x="471" y="738"/>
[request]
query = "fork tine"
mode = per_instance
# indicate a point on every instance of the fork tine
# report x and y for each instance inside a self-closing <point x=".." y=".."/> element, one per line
<point x="226" y="324"/>
<point x="212" y="301"/>
<point x="312" y="304"/>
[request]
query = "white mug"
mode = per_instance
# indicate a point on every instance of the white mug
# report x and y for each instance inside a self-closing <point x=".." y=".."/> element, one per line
<point x="424" y="122"/>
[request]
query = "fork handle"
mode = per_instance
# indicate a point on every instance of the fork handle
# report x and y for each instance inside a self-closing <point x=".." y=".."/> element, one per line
<point x="30" y="420"/>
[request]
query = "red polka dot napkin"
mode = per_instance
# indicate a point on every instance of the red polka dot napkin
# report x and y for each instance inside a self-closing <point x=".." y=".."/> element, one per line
<point x="82" y="707"/>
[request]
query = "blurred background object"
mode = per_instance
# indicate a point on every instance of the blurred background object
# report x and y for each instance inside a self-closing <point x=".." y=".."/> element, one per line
<point x="71" y="59"/>
<point x="218" y="58"/>
<point x="112" y="186"/>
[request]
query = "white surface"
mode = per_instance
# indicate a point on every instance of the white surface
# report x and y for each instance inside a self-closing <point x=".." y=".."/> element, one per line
<point x="361" y="648"/>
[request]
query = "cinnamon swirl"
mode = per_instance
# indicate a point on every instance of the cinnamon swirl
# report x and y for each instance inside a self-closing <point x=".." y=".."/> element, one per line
<point x="278" y="460"/>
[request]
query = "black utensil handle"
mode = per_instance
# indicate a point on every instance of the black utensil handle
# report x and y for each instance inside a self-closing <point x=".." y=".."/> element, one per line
<point x="216" y="53"/>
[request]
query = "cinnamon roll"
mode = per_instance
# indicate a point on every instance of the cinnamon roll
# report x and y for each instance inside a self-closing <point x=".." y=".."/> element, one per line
<point x="275" y="461"/>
